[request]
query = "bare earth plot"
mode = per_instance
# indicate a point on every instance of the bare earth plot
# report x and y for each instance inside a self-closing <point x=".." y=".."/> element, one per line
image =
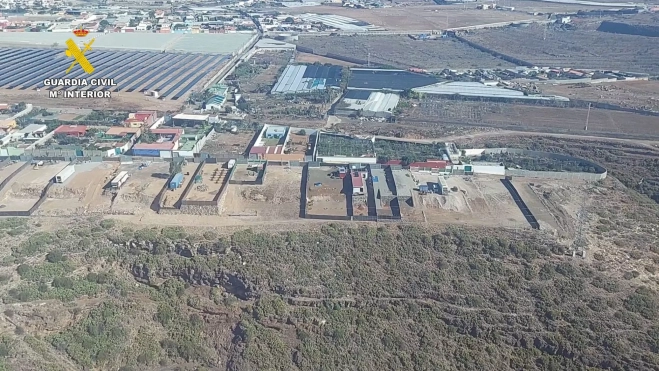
<point x="83" y="191"/>
<point x="212" y="179"/>
<point x="121" y="101"/>
<point x="403" y="52"/>
<point x="554" y="203"/>
<point x="25" y="189"/>
<point x="631" y="94"/>
<point x="6" y="171"/>
<point x="481" y="200"/>
<point x="141" y="188"/>
<point x="325" y="196"/>
<point x="278" y="198"/>
<point x="581" y="48"/>
<point x="225" y="143"/>
<point x="172" y="196"/>
<point x="533" y="118"/>
<point x="312" y="58"/>
<point x="246" y="172"/>
<point x="424" y="17"/>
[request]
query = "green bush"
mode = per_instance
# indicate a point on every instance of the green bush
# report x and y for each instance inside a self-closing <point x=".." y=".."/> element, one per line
<point x="96" y="340"/>
<point x="55" y="257"/>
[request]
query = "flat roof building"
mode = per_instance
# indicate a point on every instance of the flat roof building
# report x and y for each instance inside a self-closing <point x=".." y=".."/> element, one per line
<point x="368" y="104"/>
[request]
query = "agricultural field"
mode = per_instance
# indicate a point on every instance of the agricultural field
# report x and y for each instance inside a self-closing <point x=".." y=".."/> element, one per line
<point x="582" y="47"/>
<point x="337" y="145"/>
<point x="139" y="192"/>
<point x="82" y="192"/>
<point x="325" y="193"/>
<point x="534" y="118"/>
<point x="640" y="95"/>
<point x="278" y="198"/>
<point x="403" y="52"/>
<point x="25" y="189"/>
<point x="255" y="80"/>
<point x="411" y="152"/>
<point x="423" y="17"/>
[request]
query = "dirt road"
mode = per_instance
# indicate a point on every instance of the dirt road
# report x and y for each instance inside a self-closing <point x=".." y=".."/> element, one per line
<point x="452" y="138"/>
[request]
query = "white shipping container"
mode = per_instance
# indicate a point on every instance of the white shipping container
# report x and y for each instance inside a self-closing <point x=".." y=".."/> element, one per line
<point x="63" y="175"/>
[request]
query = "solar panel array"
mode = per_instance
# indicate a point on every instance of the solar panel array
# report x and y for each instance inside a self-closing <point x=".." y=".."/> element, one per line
<point x="172" y="75"/>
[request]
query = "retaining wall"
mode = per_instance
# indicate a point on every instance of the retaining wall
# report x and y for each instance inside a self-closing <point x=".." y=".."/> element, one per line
<point x="521" y="204"/>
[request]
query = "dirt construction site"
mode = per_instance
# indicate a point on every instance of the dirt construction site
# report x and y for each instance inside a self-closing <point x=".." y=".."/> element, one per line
<point x="81" y="192"/>
<point x="477" y="200"/>
<point x="278" y="198"/>
<point x="325" y="193"/>
<point x="142" y="187"/>
<point x="25" y="189"/>
<point x="213" y="177"/>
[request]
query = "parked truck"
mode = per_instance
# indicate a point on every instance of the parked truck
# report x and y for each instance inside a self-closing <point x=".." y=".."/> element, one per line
<point x="63" y="175"/>
<point x="231" y="164"/>
<point x="119" y="180"/>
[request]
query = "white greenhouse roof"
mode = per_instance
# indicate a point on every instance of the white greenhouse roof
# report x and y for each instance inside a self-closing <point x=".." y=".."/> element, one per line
<point x="477" y="89"/>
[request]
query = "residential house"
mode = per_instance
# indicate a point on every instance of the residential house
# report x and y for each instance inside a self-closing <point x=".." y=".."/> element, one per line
<point x="275" y="132"/>
<point x="77" y="131"/>
<point x="141" y="119"/>
<point x="358" y="187"/>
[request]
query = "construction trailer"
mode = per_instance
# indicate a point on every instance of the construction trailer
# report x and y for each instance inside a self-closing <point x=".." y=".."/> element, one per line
<point x="119" y="180"/>
<point x="63" y="175"/>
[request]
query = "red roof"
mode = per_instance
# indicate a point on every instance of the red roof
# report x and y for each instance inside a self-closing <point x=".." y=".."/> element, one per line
<point x="143" y="115"/>
<point x="432" y="165"/>
<point x="258" y="151"/>
<point x="71" y="129"/>
<point x="393" y="162"/>
<point x="357" y="180"/>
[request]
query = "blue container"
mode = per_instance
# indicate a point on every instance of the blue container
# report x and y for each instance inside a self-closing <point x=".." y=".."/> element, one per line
<point x="176" y="181"/>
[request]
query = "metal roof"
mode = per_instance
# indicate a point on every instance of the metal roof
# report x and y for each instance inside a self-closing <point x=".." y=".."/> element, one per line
<point x="300" y="79"/>
<point x="477" y="89"/>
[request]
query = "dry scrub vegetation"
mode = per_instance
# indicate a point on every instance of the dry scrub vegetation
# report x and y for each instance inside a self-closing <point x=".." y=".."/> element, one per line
<point x="338" y="297"/>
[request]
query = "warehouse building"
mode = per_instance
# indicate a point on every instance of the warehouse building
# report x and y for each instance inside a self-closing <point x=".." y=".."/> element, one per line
<point x="306" y="79"/>
<point x="366" y="103"/>
<point x="183" y="120"/>
<point x="480" y="90"/>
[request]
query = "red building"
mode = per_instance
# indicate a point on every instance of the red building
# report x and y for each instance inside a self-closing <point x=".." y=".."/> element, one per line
<point x="71" y="130"/>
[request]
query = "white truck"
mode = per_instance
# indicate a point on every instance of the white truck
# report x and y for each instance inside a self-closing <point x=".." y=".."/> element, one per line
<point x="231" y="164"/>
<point x="119" y="180"/>
<point x="63" y="175"/>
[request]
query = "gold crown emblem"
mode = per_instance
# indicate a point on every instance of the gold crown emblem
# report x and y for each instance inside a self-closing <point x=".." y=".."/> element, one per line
<point x="80" y="32"/>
